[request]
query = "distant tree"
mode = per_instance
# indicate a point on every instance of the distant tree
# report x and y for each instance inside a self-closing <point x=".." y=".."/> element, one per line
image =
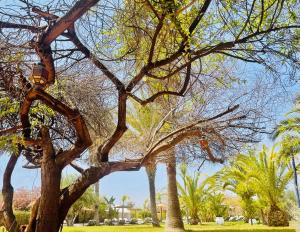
<point x="110" y="207"/>
<point x="23" y="198"/>
<point x="124" y="198"/>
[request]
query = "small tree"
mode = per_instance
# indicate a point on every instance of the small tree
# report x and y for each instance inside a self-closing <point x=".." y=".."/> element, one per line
<point x="124" y="198"/>
<point x="111" y="212"/>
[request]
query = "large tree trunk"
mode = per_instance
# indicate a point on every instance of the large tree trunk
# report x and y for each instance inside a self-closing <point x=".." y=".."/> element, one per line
<point x="48" y="216"/>
<point x="151" y="171"/>
<point x="9" y="218"/>
<point x="97" y="193"/>
<point x="45" y="212"/>
<point x="174" y="221"/>
<point x="296" y="181"/>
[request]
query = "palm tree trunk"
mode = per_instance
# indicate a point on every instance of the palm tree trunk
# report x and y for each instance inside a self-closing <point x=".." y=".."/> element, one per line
<point x="296" y="181"/>
<point x="123" y="210"/>
<point x="151" y="171"/>
<point x="263" y="217"/>
<point x="277" y="217"/>
<point x="174" y="221"/>
<point x="97" y="193"/>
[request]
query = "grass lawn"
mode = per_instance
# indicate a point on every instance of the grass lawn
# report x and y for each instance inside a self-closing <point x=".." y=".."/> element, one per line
<point x="201" y="228"/>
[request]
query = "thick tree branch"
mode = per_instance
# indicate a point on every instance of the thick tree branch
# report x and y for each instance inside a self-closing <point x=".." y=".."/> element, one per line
<point x="104" y="149"/>
<point x="8" y="193"/>
<point x="11" y="130"/>
<point x="199" y="16"/>
<point x="191" y="133"/>
<point x="154" y="39"/>
<point x="77" y="167"/>
<point x="91" y="176"/>
<point x="185" y="128"/>
<point x="65" y="22"/>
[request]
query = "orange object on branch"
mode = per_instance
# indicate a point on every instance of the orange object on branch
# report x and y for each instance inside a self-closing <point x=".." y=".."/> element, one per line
<point x="203" y="143"/>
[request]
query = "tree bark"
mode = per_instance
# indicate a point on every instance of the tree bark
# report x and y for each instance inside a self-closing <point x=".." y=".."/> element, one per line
<point x="45" y="212"/>
<point x="33" y="217"/>
<point x="277" y="217"/>
<point x="48" y="212"/>
<point x="296" y="181"/>
<point x="48" y="216"/>
<point x="174" y="221"/>
<point x="151" y="171"/>
<point x="9" y="218"/>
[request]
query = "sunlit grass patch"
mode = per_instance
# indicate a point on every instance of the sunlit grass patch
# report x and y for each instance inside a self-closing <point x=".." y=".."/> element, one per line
<point x="201" y="228"/>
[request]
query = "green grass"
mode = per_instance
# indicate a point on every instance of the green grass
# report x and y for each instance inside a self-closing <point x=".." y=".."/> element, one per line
<point x="207" y="227"/>
<point x="201" y="228"/>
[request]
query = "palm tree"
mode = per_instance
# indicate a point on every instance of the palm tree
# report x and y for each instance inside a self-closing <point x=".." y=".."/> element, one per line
<point x="291" y="143"/>
<point x="110" y="202"/>
<point x="143" y="126"/>
<point x="290" y="146"/>
<point x="159" y="197"/>
<point x="235" y="179"/>
<point x="174" y="221"/>
<point x="268" y="177"/>
<point x="192" y="194"/>
<point x="151" y="173"/>
<point x="124" y="198"/>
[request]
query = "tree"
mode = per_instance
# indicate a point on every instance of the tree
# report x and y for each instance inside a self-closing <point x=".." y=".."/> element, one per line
<point x="151" y="171"/>
<point x="268" y="177"/>
<point x="143" y="125"/>
<point x="124" y="198"/>
<point x="159" y="197"/>
<point x="110" y="203"/>
<point x="186" y="33"/>
<point x="174" y="219"/>
<point x="290" y="143"/>
<point x="235" y="178"/>
<point x="203" y="200"/>
<point x="215" y="204"/>
<point x="289" y="149"/>
<point x="192" y="194"/>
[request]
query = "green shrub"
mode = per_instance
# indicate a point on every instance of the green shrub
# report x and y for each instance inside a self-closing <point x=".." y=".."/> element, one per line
<point x="85" y="216"/>
<point x="22" y="217"/>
